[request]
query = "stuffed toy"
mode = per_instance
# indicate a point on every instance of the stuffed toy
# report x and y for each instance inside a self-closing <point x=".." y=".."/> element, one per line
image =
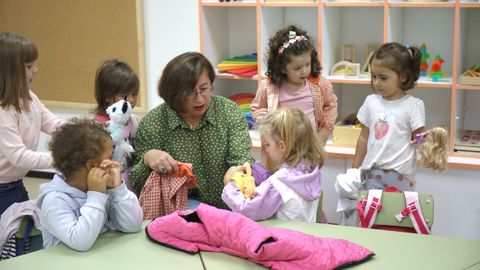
<point x="119" y="113"/>
<point x="245" y="181"/>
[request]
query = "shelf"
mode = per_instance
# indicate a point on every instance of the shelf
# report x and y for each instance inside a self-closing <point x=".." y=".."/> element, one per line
<point x="427" y="83"/>
<point x="353" y="4"/>
<point x="422" y="5"/>
<point x="464" y="161"/>
<point x="339" y="151"/>
<point x="230" y="4"/>
<point x="364" y="79"/>
<point x="470" y="5"/>
<point x="228" y="76"/>
<point x="468" y="87"/>
<point x="289" y="4"/>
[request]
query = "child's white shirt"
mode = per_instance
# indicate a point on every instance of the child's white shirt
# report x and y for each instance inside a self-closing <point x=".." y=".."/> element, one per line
<point x="391" y="124"/>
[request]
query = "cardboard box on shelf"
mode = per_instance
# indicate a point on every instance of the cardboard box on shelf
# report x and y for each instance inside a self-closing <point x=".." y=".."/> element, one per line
<point x="345" y="134"/>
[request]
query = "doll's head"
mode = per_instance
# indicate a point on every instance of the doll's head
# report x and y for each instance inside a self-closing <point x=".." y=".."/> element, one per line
<point x="288" y="43"/>
<point x="433" y="151"/>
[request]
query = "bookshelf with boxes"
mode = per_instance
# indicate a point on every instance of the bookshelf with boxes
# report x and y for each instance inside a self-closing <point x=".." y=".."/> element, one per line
<point x="449" y="29"/>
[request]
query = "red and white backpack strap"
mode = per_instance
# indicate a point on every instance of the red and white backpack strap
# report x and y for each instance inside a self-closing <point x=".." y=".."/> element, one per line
<point x="413" y="210"/>
<point x="368" y="209"/>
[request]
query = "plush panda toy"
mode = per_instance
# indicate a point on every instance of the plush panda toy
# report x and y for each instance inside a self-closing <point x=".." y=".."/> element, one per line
<point x="119" y="113"/>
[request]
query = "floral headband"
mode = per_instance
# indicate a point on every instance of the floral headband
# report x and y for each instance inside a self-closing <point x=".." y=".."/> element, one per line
<point x="292" y="38"/>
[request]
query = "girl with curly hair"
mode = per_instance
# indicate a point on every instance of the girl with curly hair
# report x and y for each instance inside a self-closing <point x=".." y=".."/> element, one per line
<point x="294" y="81"/>
<point x="88" y="196"/>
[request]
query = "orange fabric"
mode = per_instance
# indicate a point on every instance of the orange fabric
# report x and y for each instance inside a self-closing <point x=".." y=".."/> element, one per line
<point x="163" y="194"/>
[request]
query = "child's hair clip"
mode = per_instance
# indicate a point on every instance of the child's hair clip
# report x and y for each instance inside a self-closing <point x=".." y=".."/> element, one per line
<point x="292" y="34"/>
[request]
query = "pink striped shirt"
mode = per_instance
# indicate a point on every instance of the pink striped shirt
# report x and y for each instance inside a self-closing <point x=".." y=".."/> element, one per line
<point x="19" y="136"/>
<point x="324" y="100"/>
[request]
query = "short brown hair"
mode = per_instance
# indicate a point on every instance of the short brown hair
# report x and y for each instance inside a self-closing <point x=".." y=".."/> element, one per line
<point x="74" y="143"/>
<point x="113" y="77"/>
<point x="180" y="77"/>
<point x="402" y="59"/>
<point x="15" y="51"/>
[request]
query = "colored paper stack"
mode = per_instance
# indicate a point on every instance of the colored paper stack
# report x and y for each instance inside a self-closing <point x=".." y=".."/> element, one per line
<point x="243" y="101"/>
<point x="243" y="66"/>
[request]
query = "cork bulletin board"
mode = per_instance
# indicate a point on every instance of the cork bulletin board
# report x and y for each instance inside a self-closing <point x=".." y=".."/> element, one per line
<point x="73" y="38"/>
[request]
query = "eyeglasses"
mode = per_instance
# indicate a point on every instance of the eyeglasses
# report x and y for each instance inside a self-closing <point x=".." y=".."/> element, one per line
<point x="204" y="91"/>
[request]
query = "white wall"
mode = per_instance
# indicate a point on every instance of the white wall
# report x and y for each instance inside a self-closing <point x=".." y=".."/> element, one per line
<point x="171" y="28"/>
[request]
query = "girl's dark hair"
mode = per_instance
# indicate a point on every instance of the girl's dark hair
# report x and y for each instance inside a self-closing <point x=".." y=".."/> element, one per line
<point x="15" y="51"/>
<point x="277" y="61"/>
<point x="76" y="142"/>
<point x="180" y="77"/>
<point x="401" y="59"/>
<point x="113" y="77"/>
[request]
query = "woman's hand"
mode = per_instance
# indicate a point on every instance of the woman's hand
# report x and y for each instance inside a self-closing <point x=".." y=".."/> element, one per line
<point x="113" y="171"/>
<point x="160" y="162"/>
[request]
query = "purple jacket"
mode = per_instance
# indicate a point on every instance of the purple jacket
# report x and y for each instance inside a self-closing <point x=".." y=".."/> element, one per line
<point x="216" y="230"/>
<point x="301" y="179"/>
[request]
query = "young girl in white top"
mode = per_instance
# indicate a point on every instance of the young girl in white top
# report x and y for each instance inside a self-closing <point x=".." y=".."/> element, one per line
<point x="23" y="117"/>
<point x="391" y="119"/>
<point x="293" y="191"/>
<point x="294" y="81"/>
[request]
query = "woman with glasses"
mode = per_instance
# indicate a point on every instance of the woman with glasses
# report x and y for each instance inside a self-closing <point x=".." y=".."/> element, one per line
<point x="192" y="126"/>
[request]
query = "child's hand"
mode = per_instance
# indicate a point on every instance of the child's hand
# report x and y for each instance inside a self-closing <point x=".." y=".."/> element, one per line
<point x="419" y="138"/>
<point x="228" y="175"/>
<point x="97" y="180"/>
<point x="113" y="171"/>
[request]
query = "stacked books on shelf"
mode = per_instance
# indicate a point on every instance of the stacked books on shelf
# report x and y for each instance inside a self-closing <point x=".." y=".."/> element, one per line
<point x="243" y="66"/>
<point x="243" y="101"/>
<point x="469" y="140"/>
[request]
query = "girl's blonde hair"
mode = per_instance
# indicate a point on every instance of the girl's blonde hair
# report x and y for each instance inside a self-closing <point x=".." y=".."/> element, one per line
<point x="433" y="152"/>
<point x="294" y="128"/>
<point x="15" y="52"/>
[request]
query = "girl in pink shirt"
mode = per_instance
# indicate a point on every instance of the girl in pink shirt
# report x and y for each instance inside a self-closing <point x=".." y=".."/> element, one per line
<point x="114" y="81"/>
<point x="294" y="81"/>
<point x="23" y="117"/>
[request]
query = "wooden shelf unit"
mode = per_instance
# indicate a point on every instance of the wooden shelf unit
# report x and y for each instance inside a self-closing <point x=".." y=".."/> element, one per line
<point x="449" y="28"/>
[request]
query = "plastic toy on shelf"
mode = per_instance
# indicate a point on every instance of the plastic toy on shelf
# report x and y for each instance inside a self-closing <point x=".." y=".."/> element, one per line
<point x="243" y="101"/>
<point x="243" y="66"/>
<point x="423" y="62"/>
<point x="437" y="72"/>
<point x="346" y="68"/>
